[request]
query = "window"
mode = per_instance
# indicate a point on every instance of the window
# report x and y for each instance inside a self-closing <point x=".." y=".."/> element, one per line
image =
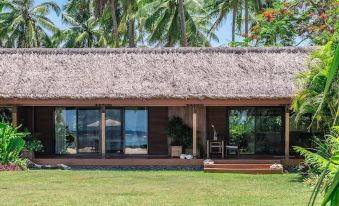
<point x="114" y="131"/>
<point x="6" y="114"/>
<point x="65" y="125"/>
<point x="136" y="131"/>
<point x="89" y="130"/>
<point x="78" y="130"/>
<point x="257" y="130"/>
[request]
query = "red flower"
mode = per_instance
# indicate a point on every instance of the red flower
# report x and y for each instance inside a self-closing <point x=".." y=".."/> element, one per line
<point x="323" y="16"/>
<point x="268" y="15"/>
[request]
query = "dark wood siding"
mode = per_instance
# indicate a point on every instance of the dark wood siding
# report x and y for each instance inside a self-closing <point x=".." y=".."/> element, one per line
<point x="25" y="118"/>
<point x="157" y="140"/>
<point x="39" y="122"/>
<point x="43" y="127"/>
<point x="216" y="116"/>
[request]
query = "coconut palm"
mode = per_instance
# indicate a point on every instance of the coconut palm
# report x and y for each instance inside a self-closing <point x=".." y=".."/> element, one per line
<point x="127" y="22"/>
<point x="23" y="24"/>
<point x="220" y="9"/>
<point x="163" y="22"/>
<point x="111" y="7"/>
<point x="182" y="23"/>
<point x="320" y="93"/>
<point x="84" y="28"/>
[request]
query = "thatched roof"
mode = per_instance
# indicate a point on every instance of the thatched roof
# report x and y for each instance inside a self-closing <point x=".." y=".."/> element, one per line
<point x="184" y="73"/>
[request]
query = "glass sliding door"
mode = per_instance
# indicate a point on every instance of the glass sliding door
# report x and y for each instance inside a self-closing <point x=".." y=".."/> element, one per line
<point x="89" y="130"/>
<point x="269" y="131"/>
<point x="114" y="131"/>
<point x="136" y="131"/>
<point x="242" y="129"/>
<point x="65" y="127"/>
<point x="257" y="130"/>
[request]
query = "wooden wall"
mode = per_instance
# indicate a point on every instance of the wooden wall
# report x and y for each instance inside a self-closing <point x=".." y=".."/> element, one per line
<point x="39" y="121"/>
<point x="157" y="140"/>
<point x="216" y="116"/>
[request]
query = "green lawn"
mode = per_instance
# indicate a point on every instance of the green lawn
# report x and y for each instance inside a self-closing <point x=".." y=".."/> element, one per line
<point x="149" y="188"/>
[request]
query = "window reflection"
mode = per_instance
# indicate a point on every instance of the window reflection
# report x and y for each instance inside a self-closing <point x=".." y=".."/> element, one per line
<point x="114" y="137"/>
<point x="65" y="131"/>
<point x="6" y="114"/>
<point x="136" y="131"/>
<point x="89" y="128"/>
<point x="257" y="130"/>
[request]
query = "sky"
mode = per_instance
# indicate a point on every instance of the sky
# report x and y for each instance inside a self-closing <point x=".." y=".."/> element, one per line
<point x="223" y="33"/>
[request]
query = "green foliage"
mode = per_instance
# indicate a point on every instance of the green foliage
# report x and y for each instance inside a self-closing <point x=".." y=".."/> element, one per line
<point x="22" y="24"/>
<point x="11" y="143"/>
<point x="33" y="143"/>
<point x="85" y="30"/>
<point x="293" y="22"/>
<point x="319" y="98"/>
<point x="162" y="22"/>
<point x="239" y="130"/>
<point x="178" y="132"/>
<point x="332" y="193"/>
<point x="320" y="93"/>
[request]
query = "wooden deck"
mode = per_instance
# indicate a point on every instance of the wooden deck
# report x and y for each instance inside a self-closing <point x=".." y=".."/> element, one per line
<point x="157" y="161"/>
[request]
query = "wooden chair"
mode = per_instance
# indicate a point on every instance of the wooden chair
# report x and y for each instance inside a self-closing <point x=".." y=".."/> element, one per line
<point x="215" y="147"/>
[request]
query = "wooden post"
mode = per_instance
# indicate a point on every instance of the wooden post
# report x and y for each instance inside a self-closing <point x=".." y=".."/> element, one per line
<point x="103" y="131"/>
<point x="194" y="128"/>
<point x="14" y="116"/>
<point x="287" y="133"/>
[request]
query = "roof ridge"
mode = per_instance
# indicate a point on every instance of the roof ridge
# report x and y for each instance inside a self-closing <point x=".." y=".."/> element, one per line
<point x="156" y="50"/>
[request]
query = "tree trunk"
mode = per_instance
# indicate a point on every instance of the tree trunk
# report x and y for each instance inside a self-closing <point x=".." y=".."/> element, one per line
<point x="131" y="32"/>
<point x="234" y="15"/>
<point x="246" y="17"/>
<point x="182" y="23"/>
<point x="113" y="5"/>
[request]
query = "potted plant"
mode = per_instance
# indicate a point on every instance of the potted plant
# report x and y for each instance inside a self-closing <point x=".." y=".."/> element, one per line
<point x="32" y="145"/>
<point x="180" y="135"/>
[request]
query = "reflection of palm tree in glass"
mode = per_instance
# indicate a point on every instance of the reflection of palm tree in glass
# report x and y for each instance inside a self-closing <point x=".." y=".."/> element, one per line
<point x="241" y="126"/>
<point x="69" y="138"/>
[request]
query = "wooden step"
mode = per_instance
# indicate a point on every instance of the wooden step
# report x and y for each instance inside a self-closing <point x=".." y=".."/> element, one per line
<point x="238" y="166"/>
<point x="244" y="171"/>
<point x="247" y="161"/>
<point x="242" y="168"/>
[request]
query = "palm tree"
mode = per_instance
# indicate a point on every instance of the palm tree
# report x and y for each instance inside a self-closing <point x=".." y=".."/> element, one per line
<point x="164" y="24"/>
<point x="84" y="28"/>
<point x="320" y="93"/>
<point x="221" y="8"/>
<point x="182" y="23"/>
<point x="127" y="22"/>
<point x="26" y="25"/>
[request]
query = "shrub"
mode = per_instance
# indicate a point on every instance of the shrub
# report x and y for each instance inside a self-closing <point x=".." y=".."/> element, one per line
<point x="32" y="143"/>
<point x="179" y="133"/>
<point x="11" y="143"/>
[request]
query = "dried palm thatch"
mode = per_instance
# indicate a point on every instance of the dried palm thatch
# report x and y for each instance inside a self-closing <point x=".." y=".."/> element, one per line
<point x="184" y="73"/>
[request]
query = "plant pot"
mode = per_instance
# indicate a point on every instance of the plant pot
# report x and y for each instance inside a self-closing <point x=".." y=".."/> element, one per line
<point x="27" y="154"/>
<point x="176" y="151"/>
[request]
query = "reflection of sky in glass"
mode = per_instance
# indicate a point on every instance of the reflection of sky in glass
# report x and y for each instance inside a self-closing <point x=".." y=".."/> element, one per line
<point x="136" y="120"/>
<point x="70" y="116"/>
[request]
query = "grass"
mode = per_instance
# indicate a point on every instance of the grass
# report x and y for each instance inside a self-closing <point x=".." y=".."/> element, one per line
<point x="149" y="188"/>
